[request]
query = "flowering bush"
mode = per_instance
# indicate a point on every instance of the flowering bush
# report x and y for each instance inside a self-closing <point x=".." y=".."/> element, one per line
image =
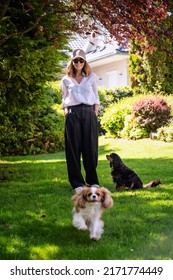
<point x="151" y="113"/>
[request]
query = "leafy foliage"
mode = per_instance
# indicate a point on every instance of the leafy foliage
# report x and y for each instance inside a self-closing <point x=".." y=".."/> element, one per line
<point x="107" y="97"/>
<point x="38" y="19"/>
<point x="29" y="57"/>
<point x="124" y="19"/>
<point x="131" y="130"/>
<point x="112" y="120"/>
<point x="151" y="68"/>
<point x="165" y="133"/>
<point x="136" y="117"/>
<point x="38" y="129"/>
<point x="151" y="113"/>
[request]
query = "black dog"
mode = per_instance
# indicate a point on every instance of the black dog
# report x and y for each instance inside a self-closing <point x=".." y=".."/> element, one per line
<point x="124" y="177"/>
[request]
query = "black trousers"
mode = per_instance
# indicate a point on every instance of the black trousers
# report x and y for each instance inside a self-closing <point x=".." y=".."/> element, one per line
<point x="81" y="139"/>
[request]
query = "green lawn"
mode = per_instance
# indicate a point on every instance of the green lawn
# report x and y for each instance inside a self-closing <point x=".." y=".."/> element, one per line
<point x="35" y="207"/>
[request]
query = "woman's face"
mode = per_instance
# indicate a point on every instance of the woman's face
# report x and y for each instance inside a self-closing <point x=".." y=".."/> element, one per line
<point x="78" y="63"/>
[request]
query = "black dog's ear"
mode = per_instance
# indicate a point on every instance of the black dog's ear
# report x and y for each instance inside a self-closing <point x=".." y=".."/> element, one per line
<point x="109" y="158"/>
<point x="117" y="160"/>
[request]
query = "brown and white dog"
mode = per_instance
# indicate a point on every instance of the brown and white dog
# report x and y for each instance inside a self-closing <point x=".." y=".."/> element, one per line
<point x="89" y="204"/>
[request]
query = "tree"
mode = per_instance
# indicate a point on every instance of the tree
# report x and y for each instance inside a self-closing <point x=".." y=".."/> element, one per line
<point x="151" y="68"/>
<point x="29" y="57"/>
<point x="124" y="19"/>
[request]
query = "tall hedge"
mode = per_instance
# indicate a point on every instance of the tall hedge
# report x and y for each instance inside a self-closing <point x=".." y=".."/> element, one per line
<point x="28" y="122"/>
<point x="151" y="63"/>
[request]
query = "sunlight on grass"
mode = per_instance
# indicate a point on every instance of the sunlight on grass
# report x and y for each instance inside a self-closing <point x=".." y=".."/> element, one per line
<point x="161" y="203"/>
<point x="158" y="237"/>
<point x="45" y="252"/>
<point x="145" y="148"/>
<point x="159" y="247"/>
<point x="31" y="161"/>
<point x="36" y="216"/>
<point x="15" y="245"/>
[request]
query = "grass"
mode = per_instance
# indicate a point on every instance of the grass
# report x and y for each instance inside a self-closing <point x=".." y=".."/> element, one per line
<point x="35" y="211"/>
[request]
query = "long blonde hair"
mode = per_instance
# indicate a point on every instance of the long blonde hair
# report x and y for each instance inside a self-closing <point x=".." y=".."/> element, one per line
<point x="71" y="71"/>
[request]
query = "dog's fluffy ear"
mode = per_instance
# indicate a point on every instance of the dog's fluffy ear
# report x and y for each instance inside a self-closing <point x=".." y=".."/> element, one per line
<point x="79" y="200"/>
<point x="107" y="201"/>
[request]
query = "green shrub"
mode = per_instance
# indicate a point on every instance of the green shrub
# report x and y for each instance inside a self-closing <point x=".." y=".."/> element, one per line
<point x="32" y="132"/>
<point x="33" y="129"/>
<point x="122" y="123"/>
<point x="54" y="89"/>
<point x="28" y="122"/>
<point x="165" y="133"/>
<point x="131" y="130"/>
<point x="138" y="133"/>
<point x="121" y="105"/>
<point x="112" y="120"/>
<point x="107" y="97"/>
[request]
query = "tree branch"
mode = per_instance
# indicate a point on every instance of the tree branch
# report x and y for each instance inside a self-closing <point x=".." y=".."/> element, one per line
<point x="21" y="33"/>
<point x="5" y="4"/>
<point x="3" y="7"/>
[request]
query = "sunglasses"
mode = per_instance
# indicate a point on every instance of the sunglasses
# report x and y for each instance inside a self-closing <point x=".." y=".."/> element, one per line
<point x="76" y="60"/>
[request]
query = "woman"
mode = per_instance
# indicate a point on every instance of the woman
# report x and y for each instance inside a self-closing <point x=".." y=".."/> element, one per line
<point x="81" y="104"/>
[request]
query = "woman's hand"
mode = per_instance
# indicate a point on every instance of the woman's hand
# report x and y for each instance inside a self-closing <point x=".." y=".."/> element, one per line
<point x="65" y="111"/>
<point x="96" y="109"/>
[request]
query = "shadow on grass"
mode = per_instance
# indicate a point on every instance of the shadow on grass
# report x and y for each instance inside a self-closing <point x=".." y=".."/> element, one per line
<point x="35" y="216"/>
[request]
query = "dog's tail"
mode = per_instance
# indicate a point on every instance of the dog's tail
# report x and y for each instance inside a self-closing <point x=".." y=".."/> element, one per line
<point x="152" y="184"/>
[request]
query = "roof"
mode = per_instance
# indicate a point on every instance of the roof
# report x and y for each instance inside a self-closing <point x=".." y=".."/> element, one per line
<point x="77" y="42"/>
<point x="97" y="47"/>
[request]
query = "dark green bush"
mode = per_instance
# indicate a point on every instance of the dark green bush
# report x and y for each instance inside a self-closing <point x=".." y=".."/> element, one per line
<point x="29" y="124"/>
<point x="35" y="129"/>
<point x="54" y="90"/>
<point x="32" y="132"/>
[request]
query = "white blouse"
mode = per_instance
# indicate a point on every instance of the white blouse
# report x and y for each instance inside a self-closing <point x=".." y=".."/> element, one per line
<point x="85" y="92"/>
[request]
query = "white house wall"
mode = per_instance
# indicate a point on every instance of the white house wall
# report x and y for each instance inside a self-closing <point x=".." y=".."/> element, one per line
<point x="112" y="74"/>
